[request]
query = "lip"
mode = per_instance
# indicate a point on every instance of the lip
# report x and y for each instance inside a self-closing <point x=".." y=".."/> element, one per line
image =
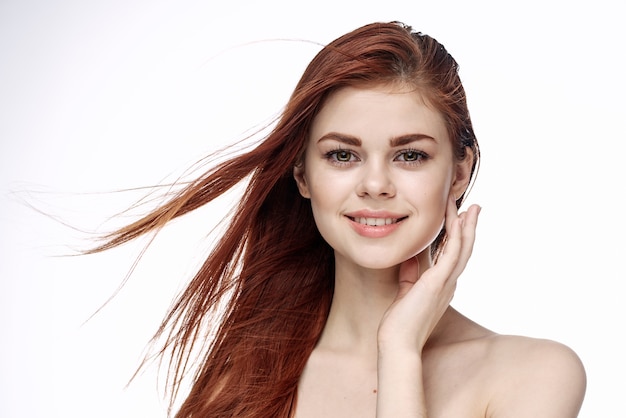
<point x="381" y="223"/>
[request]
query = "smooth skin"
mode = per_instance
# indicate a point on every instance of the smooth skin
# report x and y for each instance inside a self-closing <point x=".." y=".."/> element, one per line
<point x="392" y="346"/>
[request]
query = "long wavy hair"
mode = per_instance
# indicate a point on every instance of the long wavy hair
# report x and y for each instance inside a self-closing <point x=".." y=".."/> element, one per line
<point x="254" y="311"/>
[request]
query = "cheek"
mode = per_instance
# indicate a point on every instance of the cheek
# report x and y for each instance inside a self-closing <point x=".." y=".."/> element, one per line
<point x="433" y="211"/>
<point x="440" y="203"/>
<point x="322" y="198"/>
<point x="430" y="200"/>
<point x="428" y="190"/>
<point x="329" y="196"/>
<point x="328" y="188"/>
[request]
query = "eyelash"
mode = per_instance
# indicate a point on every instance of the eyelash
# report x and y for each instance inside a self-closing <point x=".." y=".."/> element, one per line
<point x="332" y="156"/>
<point x="420" y="155"/>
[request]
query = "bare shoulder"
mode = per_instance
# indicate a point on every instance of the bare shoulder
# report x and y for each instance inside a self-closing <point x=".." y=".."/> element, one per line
<point x="533" y="377"/>
<point x="507" y="376"/>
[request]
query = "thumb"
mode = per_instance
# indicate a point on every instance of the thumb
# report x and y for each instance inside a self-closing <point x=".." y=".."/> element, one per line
<point x="409" y="273"/>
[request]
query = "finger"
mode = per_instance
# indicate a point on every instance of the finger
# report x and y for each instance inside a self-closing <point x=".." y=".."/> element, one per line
<point x="469" y="221"/>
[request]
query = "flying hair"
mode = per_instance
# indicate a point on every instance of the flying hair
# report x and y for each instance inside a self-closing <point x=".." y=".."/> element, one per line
<point x="265" y="290"/>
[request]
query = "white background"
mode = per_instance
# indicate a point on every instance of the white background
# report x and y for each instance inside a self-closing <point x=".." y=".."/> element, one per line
<point x="97" y="96"/>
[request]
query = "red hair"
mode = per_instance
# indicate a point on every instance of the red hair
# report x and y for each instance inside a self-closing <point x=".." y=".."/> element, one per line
<point x="266" y="288"/>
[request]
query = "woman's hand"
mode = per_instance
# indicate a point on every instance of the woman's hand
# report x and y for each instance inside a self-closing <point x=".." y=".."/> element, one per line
<point x="422" y="300"/>
<point x="411" y="318"/>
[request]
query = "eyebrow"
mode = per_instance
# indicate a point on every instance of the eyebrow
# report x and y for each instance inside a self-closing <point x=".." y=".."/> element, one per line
<point x="407" y="139"/>
<point x="394" y="142"/>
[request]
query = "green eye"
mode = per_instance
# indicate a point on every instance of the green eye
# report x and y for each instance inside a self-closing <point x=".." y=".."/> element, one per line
<point x="411" y="156"/>
<point x="343" y="156"/>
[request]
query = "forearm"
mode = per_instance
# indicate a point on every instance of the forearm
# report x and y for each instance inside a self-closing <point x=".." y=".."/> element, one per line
<point x="400" y="385"/>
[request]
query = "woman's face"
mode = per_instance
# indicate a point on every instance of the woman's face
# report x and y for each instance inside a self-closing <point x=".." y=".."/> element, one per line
<point x="378" y="170"/>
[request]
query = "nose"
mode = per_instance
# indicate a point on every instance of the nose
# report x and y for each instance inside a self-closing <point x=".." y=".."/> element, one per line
<point x="376" y="182"/>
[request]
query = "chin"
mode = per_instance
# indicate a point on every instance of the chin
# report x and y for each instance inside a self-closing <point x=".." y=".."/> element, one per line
<point x="376" y="262"/>
<point x="378" y="266"/>
<point x="383" y="260"/>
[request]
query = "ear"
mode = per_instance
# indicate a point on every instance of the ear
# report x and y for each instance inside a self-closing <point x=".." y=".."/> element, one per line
<point x="462" y="174"/>
<point x="299" y="175"/>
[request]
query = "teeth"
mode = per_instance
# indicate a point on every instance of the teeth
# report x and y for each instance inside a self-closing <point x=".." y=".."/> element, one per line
<point x="375" y="221"/>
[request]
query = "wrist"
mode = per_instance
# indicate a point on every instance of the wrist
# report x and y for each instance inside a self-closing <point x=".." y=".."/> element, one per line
<point x="390" y="352"/>
<point x="398" y="345"/>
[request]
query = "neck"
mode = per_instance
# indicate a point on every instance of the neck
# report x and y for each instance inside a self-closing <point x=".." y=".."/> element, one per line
<point x="361" y="298"/>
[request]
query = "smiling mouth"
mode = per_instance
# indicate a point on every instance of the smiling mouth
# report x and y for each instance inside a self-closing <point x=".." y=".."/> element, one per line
<point x="377" y="221"/>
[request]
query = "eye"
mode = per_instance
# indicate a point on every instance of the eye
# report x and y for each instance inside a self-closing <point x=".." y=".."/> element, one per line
<point x="411" y="156"/>
<point x="341" y="156"/>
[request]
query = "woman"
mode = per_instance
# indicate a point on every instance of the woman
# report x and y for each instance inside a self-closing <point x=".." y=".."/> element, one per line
<point x="328" y="295"/>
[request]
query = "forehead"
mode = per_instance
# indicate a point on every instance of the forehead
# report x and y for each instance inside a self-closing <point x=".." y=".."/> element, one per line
<point x="380" y="111"/>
